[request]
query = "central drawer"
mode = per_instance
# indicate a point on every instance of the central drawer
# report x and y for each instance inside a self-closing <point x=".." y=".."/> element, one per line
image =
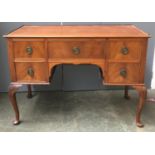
<point x="76" y="48"/>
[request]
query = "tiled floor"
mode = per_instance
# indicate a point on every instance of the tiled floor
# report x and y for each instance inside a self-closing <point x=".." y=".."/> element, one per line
<point x="76" y="111"/>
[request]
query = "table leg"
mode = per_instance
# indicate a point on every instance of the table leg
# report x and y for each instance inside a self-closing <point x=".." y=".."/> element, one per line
<point x="126" y="92"/>
<point x="12" y="96"/>
<point x="29" y="95"/>
<point x="142" y="97"/>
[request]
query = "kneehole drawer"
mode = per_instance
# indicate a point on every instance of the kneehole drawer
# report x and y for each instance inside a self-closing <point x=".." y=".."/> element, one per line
<point x="31" y="72"/>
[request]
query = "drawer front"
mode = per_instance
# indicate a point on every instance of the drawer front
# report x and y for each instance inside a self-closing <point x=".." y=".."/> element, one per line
<point x="124" y="49"/>
<point x="76" y="48"/>
<point x="123" y="73"/>
<point x="31" y="72"/>
<point x="29" y="49"/>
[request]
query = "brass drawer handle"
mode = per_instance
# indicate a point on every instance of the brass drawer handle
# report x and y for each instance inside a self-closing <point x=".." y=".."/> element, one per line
<point x="30" y="72"/>
<point x="29" y="50"/>
<point x="76" y="50"/>
<point x="123" y="73"/>
<point x="125" y="51"/>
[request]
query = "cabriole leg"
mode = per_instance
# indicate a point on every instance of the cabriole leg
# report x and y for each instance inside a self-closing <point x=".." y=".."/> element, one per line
<point x="12" y="96"/>
<point x="142" y="97"/>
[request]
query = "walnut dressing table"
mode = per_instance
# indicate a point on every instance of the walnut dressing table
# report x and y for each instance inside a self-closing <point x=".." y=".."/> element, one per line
<point x="118" y="50"/>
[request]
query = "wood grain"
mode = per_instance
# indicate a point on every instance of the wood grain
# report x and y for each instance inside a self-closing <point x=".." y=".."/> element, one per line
<point x="115" y="49"/>
<point x="132" y="71"/>
<point x="40" y="72"/>
<point x="78" y="31"/>
<point x="11" y="60"/>
<point x="20" y="49"/>
<point x="64" y="48"/>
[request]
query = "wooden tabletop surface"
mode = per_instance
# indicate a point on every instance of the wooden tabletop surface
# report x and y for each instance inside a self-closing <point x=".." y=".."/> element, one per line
<point x="78" y="31"/>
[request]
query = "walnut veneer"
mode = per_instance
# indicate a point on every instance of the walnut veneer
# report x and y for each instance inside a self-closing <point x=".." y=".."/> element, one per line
<point x="119" y="51"/>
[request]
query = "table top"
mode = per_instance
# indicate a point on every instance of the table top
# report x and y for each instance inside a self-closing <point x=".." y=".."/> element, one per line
<point x="90" y="31"/>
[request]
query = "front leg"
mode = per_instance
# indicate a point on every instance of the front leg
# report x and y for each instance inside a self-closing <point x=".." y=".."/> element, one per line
<point x="12" y="96"/>
<point x="142" y="97"/>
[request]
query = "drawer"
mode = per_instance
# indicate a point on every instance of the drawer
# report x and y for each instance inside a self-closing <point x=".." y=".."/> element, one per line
<point x="31" y="72"/>
<point x="124" y="49"/>
<point x="123" y="73"/>
<point x="29" y="49"/>
<point x="75" y="48"/>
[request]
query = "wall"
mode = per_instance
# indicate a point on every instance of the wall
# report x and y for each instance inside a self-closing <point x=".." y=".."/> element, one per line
<point x="82" y="77"/>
